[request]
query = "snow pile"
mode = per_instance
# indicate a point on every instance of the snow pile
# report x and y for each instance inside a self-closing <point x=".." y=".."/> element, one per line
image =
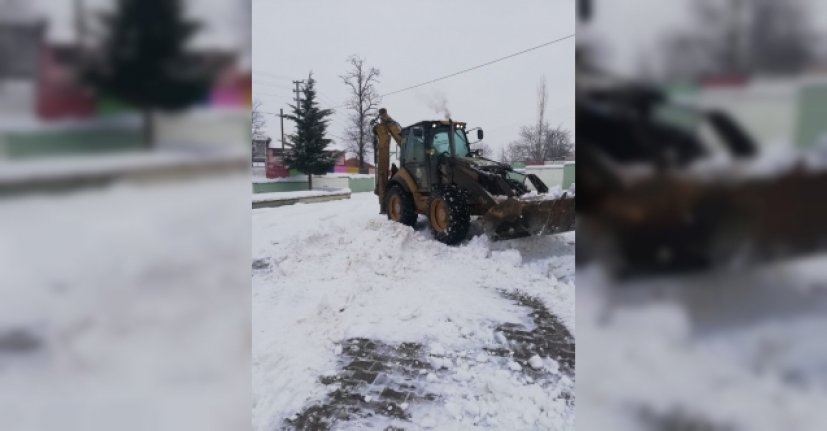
<point x="554" y="192"/>
<point x="339" y="270"/>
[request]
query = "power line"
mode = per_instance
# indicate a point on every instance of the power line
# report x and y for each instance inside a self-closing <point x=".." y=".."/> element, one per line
<point x="325" y="99"/>
<point x="257" y="82"/>
<point x="275" y="75"/>
<point x="480" y="65"/>
<point x="257" y="93"/>
<point x="488" y="63"/>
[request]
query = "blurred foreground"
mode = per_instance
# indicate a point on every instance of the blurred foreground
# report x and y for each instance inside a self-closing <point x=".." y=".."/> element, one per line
<point x="125" y="292"/>
<point x="126" y="307"/>
<point x="701" y="215"/>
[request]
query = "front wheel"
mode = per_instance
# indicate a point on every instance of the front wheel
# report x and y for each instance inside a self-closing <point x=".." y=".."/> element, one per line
<point x="449" y="215"/>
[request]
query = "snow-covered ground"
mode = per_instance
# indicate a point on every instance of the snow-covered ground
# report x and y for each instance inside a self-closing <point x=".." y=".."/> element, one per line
<point x="329" y="272"/>
<point x="126" y="308"/>
<point x="726" y="351"/>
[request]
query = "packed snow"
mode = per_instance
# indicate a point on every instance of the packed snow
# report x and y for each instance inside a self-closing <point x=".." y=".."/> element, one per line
<point x="327" y="272"/>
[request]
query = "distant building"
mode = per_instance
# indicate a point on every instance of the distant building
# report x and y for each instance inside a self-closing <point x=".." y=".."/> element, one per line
<point x="275" y="164"/>
<point x="259" y="150"/>
<point x="60" y="93"/>
<point x="20" y="43"/>
<point x="351" y="166"/>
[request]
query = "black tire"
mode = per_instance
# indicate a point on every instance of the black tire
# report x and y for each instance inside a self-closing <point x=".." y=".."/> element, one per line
<point x="405" y="212"/>
<point x="449" y="215"/>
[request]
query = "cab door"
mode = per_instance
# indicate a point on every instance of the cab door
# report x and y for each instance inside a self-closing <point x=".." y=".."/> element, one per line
<point x="414" y="159"/>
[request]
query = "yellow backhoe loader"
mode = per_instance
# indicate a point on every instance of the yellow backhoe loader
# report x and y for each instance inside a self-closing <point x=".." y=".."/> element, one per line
<point x="442" y="178"/>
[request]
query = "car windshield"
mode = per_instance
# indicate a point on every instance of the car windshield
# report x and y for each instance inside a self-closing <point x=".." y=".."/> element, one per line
<point x="443" y="145"/>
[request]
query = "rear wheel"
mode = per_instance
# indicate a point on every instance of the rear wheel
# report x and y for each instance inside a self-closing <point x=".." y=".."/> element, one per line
<point x="449" y="215"/>
<point x="400" y="206"/>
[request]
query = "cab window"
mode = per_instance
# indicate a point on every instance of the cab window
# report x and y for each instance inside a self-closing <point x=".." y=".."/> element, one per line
<point x="415" y="145"/>
<point x="441" y="142"/>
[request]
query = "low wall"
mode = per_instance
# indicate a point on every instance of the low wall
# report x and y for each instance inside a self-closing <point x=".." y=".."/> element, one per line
<point x="284" y="186"/>
<point x="67" y="175"/>
<point x="330" y="183"/>
<point x="197" y="128"/>
<point x="294" y="184"/>
<point x="568" y="175"/>
<point x="41" y="143"/>
<point x="554" y="174"/>
<point x="361" y="185"/>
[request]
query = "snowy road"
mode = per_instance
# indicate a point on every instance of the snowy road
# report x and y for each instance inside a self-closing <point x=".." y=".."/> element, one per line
<point x="360" y="323"/>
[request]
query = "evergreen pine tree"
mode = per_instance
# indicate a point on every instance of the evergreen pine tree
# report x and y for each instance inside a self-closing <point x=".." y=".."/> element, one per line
<point x="309" y="152"/>
<point x="143" y="60"/>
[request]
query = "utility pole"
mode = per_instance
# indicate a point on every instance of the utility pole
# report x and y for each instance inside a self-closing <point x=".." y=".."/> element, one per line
<point x="80" y="23"/>
<point x="297" y="91"/>
<point x="281" y="117"/>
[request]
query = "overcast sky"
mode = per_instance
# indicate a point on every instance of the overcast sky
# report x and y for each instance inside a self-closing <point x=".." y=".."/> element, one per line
<point x="415" y="41"/>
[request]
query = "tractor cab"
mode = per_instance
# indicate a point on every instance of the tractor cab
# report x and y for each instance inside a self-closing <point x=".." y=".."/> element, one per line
<point x="428" y="144"/>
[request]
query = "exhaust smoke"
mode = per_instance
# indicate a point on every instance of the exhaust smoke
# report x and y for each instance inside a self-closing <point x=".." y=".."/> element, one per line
<point x="439" y="103"/>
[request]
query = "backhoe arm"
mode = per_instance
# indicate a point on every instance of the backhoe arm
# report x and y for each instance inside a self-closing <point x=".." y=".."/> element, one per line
<point x="386" y="129"/>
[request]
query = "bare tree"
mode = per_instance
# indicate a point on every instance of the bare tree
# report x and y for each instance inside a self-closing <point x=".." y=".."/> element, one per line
<point x="741" y="36"/>
<point x="504" y="156"/>
<point x="555" y="146"/>
<point x="542" y="95"/>
<point x="363" y="104"/>
<point x="540" y="142"/>
<point x="257" y="121"/>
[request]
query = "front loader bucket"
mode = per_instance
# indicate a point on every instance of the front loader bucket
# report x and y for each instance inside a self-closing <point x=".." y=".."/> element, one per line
<point x="521" y="217"/>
